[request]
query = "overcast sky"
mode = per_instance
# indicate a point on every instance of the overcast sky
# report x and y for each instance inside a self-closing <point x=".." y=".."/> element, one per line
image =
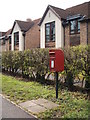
<point x="11" y="10"/>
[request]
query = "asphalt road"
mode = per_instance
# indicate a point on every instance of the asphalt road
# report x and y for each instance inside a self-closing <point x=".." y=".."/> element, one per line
<point x="10" y="110"/>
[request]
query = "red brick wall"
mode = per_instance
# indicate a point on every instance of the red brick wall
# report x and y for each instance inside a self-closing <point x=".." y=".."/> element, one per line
<point x="83" y="33"/>
<point x="76" y="39"/>
<point x="67" y="36"/>
<point x="32" y="38"/>
<point x="7" y="45"/>
<point x="89" y="32"/>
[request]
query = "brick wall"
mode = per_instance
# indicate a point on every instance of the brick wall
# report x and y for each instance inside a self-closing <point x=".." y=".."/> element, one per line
<point x="7" y="45"/>
<point x="50" y="44"/>
<point x="83" y="33"/>
<point x="67" y="36"/>
<point x="89" y="32"/>
<point x="32" y="38"/>
<point x="76" y="39"/>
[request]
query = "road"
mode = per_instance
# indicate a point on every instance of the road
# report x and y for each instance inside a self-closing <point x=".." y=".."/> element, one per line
<point x="10" y="110"/>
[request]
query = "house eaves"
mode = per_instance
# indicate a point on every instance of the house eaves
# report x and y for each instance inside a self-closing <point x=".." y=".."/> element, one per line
<point x="52" y="9"/>
<point x="6" y="35"/>
<point x="2" y="37"/>
<point x="74" y="17"/>
<point x="23" y="25"/>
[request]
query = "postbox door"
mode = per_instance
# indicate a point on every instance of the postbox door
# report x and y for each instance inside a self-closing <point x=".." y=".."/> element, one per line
<point x="59" y="62"/>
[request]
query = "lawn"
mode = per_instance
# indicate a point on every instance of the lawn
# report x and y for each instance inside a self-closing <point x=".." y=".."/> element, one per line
<point x="72" y="104"/>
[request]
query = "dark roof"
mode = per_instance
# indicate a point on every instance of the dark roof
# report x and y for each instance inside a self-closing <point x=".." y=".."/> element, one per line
<point x="82" y="9"/>
<point x="2" y="34"/>
<point x="24" y="25"/>
<point x="36" y="21"/>
<point x="58" y="12"/>
<point x="61" y="12"/>
<point x="8" y="32"/>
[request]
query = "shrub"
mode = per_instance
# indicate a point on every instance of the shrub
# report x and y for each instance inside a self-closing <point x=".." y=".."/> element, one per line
<point x="36" y="63"/>
<point x="77" y="60"/>
<point x="70" y="66"/>
<point x="33" y="63"/>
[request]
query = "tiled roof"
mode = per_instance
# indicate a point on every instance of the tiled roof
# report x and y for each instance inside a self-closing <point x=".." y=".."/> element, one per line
<point x="2" y="34"/>
<point x="61" y="12"/>
<point x="36" y="21"/>
<point x="24" y="25"/>
<point x="8" y="32"/>
<point x="82" y="9"/>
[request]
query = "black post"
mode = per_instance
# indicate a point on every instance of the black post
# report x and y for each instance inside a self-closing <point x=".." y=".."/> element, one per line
<point x="56" y="85"/>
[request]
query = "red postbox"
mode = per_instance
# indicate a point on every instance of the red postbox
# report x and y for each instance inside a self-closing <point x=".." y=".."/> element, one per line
<point x="56" y="60"/>
<point x="56" y="64"/>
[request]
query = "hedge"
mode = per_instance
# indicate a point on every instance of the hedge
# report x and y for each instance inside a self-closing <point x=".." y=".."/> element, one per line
<point x="34" y="63"/>
<point x="77" y="60"/>
<point x="30" y="63"/>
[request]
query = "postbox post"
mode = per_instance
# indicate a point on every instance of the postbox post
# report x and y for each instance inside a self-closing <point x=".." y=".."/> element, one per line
<point x="56" y="73"/>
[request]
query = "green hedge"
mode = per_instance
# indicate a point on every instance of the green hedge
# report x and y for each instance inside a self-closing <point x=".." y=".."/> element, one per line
<point x="77" y="60"/>
<point x="34" y="63"/>
<point x="30" y="63"/>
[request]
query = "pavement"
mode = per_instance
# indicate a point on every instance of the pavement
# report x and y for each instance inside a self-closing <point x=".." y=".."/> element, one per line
<point x="10" y="110"/>
<point x="38" y="106"/>
<point x="25" y="110"/>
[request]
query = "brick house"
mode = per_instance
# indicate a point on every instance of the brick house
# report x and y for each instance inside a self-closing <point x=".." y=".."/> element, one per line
<point x="25" y="35"/>
<point x="32" y="38"/>
<point x="2" y="41"/>
<point x="63" y="28"/>
<point x="5" y="39"/>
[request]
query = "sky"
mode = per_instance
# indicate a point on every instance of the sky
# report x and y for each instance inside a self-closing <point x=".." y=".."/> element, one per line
<point x="11" y="10"/>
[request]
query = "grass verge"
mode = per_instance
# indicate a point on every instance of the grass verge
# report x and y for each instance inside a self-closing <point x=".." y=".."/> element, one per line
<point x="72" y="104"/>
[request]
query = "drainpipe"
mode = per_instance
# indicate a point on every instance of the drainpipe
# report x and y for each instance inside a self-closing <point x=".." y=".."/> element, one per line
<point x="24" y="39"/>
<point x="63" y="23"/>
<point x="87" y="32"/>
<point x="64" y="36"/>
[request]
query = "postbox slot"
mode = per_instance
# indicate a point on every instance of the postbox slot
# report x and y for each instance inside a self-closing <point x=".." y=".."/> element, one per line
<point x="52" y="57"/>
<point x="52" y="54"/>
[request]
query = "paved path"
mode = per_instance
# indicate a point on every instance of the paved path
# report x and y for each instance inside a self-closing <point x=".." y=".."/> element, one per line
<point x="38" y="106"/>
<point x="10" y="110"/>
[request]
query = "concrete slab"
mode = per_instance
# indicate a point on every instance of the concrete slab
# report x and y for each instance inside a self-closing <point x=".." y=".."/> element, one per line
<point x="49" y="105"/>
<point x="40" y="101"/>
<point x="27" y="104"/>
<point x="37" y="106"/>
<point x="36" y="109"/>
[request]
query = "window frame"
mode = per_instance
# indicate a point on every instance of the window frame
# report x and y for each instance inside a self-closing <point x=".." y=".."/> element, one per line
<point x="77" y="29"/>
<point x="16" y="35"/>
<point x="9" y="40"/>
<point x="51" y="36"/>
<point x="3" y="41"/>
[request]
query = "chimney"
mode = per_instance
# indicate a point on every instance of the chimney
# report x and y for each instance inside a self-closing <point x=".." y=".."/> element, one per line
<point x="29" y="20"/>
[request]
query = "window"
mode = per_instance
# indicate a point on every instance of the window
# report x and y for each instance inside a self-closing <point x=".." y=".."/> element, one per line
<point x="74" y="26"/>
<point x="3" y="43"/>
<point x="9" y="40"/>
<point x="50" y="31"/>
<point x="78" y="26"/>
<point x="16" y="38"/>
